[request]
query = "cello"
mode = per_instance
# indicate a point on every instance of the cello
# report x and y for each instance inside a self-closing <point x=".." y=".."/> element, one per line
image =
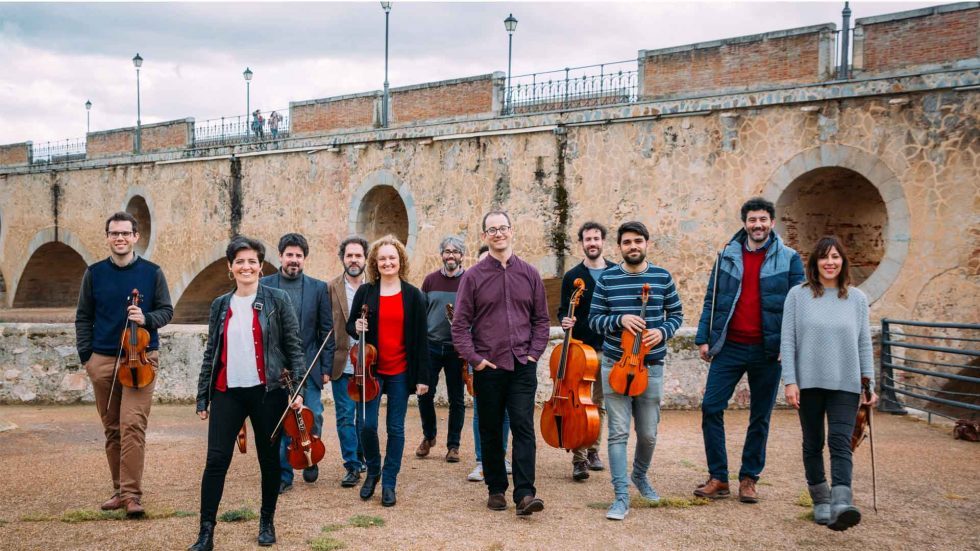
<point x="629" y="375"/>
<point x="467" y="376"/>
<point x="570" y="420"/>
<point x="363" y="386"/>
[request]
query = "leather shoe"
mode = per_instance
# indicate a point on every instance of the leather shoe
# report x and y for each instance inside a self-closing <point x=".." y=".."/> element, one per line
<point x="387" y="497"/>
<point x="350" y="479"/>
<point x="133" y="507"/>
<point x="746" y="491"/>
<point x="528" y="505"/>
<point x="713" y="489"/>
<point x="205" y="538"/>
<point x="267" y="531"/>
<point x="580" y="470"/>
<point x="310" y="474"/>
<point x="113" y="503"/>
<point x="424" y="447"/>
<point x="595" y="464"/>
<point x="497" y="502"/>
<point x="367" y="489"/>
<point x="452" y="456"/>
<point x="284" y="487"/>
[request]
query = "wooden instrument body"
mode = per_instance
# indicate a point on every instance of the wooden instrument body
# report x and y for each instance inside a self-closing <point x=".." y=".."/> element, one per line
<point x="629" y="376"/>
<point x="305" y="448"/>
<point x="363" y="385"/>
<point x="467" y="376"/>
<point x="135" y="369"/>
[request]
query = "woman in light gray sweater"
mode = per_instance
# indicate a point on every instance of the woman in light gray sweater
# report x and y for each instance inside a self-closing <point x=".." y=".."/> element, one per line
<point x="826" y="350"/>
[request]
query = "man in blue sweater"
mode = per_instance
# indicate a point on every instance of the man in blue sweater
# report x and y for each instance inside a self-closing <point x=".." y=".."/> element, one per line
<point x="102" y="315"/>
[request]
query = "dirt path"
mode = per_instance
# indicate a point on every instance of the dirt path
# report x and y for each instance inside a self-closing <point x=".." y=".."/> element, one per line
<point x="53" y="463"/>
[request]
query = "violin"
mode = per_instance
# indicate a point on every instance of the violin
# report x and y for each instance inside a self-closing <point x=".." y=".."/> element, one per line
<point x="363" y="386"/>
<point x="305" y="448"/>
<point x="629" y="375"/>
<point x="467" y="376"/>
<point x="570" y="420"/>
<point x="863" y="419"/>
<point x="242" y="439"/>
<point x="135" y="369"/>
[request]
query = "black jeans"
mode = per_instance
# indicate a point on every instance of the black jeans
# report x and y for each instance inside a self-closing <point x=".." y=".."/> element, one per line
<point x="512" y="391"/>
<point x="228" y="411"/>
<point x="444" y="357"/>
<point x="840" y="410"/>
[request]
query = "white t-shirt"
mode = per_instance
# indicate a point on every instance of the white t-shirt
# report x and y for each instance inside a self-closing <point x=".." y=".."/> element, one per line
<point x="242" y="363"/>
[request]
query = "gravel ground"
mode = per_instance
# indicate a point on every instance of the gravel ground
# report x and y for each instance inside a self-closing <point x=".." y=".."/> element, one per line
<point x="53" y="463"/>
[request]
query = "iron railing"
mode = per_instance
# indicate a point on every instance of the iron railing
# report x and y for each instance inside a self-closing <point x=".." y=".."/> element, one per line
<point x="940" y="363"/>
<point x="58" y="151"/>
<point x="573" y="87"/>
<point x="843" y="68"/>
<point x="241" y="129"/>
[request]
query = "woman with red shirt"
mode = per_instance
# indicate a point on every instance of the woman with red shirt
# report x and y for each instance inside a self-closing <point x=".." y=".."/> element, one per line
<point x="396" y="326"/>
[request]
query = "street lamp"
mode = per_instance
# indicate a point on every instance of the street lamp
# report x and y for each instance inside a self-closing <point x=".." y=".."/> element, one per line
<point x="138" y="62"/>
<point x="248" y="94"/>
<point x="88" y="118"/>
<point x="511" y="25"/>
<point x="386" y="6"/>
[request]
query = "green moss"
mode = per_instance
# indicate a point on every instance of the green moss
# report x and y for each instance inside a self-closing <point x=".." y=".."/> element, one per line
<point x="37" y="517"/>
<point x="326" y="543"/>
<point x="238" y="515"/>
<point x="638" y="502"/>
<point x="806" y="515"/>
<point x="88" y="515"/>
<point x="804" y="499"/>
<point x="366" y="521"/>
<point x="332" y="528"/>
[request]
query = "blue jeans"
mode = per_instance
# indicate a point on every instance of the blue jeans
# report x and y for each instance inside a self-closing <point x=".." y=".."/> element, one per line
<point x="725" y="372"/>
<point x="476" y="433"/>
<point x="311" y="399"/>
<point x="350" y="422"/>
<point x="444" y="357"/>
<point x="396" y="387"/>
<point x="645" y="410"/>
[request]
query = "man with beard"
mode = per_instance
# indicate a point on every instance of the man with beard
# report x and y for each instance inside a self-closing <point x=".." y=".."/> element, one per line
<point x="440" y="289"/>
<point x="592" y="236"/>
<point x="616" y="307"/>
<point x="746" y="292"/>
<point x="501" y="328"/>
<point x="353" y="254"/>
<point x="311" y="302"/>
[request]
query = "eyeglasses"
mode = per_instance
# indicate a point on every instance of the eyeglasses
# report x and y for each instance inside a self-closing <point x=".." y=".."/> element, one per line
<point x="495" y="231"/>
<point x="452" y="252"/>
<point x="118" y="234"/>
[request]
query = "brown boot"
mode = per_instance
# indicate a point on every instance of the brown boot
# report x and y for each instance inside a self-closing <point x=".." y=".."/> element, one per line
<point x="713" y="489"/>
<point x="746" y="491"/>
<point x="114" y="502"/>
<point x="424" y="447"/>
<point x="133" y="507"/>
<point x="452" y="456"/>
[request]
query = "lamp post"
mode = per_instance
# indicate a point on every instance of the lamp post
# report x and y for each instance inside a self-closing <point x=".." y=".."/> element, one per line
<point x="138" y="62"/>
<point x="248" y="96"/>
<point x="386" y="6"/>
<point x="88" y="118"/>
<point x="511" y="25"/>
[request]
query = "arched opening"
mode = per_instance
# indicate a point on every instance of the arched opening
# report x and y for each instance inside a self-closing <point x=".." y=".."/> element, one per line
<point x="382" y="211"/>
<point x="51" y="279"/>
<point x="835" y="201"/>
<point x="206" y="286"/>
<point x="138" y="208"/>
<point x="3" y="291"/>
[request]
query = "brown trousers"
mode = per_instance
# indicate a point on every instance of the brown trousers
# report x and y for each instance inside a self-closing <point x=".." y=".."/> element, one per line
<point x="581" y="453"/>
<point x="124" y="421"/>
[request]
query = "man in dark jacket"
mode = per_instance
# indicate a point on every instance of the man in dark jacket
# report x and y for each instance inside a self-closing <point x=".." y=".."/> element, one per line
<point x="311" y="302"/>
<point x="739" y="333"/>
<point x="592" y="237"/>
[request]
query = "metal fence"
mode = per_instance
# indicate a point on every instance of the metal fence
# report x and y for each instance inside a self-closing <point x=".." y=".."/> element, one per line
<point x="58" y="151"/>
<point x="241" y="129"/>
<point x="573" y="87"/>
<point x="939" y="365"/>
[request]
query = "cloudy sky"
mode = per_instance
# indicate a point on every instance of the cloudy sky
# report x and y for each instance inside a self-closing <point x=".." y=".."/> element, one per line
<point x="54" y="57"/>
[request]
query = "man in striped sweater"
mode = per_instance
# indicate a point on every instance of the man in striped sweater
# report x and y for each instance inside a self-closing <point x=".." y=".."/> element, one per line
<point x="616" y="307"/>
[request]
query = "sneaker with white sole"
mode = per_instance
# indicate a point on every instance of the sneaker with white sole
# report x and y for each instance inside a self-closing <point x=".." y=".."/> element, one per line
<point x="646" y="490"/>
<point x="477" y="474"/>
<point x="507" y="466"/>
<point x="619" y="508"/>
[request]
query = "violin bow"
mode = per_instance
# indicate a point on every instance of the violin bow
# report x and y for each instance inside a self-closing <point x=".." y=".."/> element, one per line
<point x="115" y="368"/>
<point x="871" y="440"/>
<point x="299" y="387"/>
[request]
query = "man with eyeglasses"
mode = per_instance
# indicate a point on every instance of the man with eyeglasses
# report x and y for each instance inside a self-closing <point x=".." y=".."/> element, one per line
<point x="440" y="289"/>
<point x="501" y="328"/>
<point x="103" y="312"/>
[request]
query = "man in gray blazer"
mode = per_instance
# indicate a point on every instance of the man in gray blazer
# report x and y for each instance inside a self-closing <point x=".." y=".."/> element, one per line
<point x="311" y="301"/>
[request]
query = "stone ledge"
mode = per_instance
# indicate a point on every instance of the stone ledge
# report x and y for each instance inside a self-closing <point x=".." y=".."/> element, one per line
<point x="922" y="12"/>
<point x="786" y="33"/>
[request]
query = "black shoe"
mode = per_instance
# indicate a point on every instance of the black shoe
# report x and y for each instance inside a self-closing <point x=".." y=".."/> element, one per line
<point x="595" y="464"/>
<point x="285" y="487"/>
<point x="205" y="538"/>
<point x="350" y="479"/>
<point x="367" y="489"/>
<point x="580" y="470"/>
<point x="387" y="497"/>
<point x="310" y="474"/>
<point x="267" y="531"/>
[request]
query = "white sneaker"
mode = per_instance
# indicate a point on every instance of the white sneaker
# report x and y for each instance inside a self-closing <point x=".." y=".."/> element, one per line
<point x="477" y="474"/>
<point x="507" y="466"/>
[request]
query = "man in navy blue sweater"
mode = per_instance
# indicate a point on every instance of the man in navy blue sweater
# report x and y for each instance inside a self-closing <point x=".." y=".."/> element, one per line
<point x="103" y="312"/>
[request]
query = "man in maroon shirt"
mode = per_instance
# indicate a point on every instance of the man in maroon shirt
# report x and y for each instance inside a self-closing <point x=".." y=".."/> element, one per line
<point x="501" y="327"/>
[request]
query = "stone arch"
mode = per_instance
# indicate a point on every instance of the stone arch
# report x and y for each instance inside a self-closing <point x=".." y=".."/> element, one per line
<point x="137" y="204"/>
<point x="814" y="180"/>
<point x="384" y="205"/>
<point x="211" y="282"/>
<point x="34" y="284"/>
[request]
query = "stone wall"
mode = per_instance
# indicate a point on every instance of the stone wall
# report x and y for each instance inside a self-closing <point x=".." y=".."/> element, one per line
<point x="110" y="143"/>
<point x="454" y="98"/>
<point x="940" y="34"/>
<point x="15" y="154"/>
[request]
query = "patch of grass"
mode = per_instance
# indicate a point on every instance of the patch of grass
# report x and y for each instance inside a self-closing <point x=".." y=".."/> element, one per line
<point x="806" y="515"/>
<point x="495" y="546"/>
<point x="2" y="522"/>
<point x="88" y="515"/>
<point x="332" y="528"/>
<point x="326" y="543"/>
<point x="804" y="499"/>
<point x="951" y="495"/>
<point x="692" y="465"/>
<point x="37" y="517"/>
<point x="238" y="515"/>
<point x="182" y="514"/>
<point x="764" y="483"/>
<point x="665" y="502"/>
<point x="366" y="521"/>
<point x="599" y="505"/>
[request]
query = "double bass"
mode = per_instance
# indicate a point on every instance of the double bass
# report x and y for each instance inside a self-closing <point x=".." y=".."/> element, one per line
<point x="135" y="369"/>
<point x="629" y="375"/>
<point x="570" y="420"/>
<point x="363" y="386"/>
<point x="467" y="376"/>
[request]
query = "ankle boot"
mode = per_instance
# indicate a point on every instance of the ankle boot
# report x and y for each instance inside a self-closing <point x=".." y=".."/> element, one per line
<point x="267" y="530"/>
<point x="843" y="513"/>
<point x="820" y="494"/>
<point x="205" y="538"/>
